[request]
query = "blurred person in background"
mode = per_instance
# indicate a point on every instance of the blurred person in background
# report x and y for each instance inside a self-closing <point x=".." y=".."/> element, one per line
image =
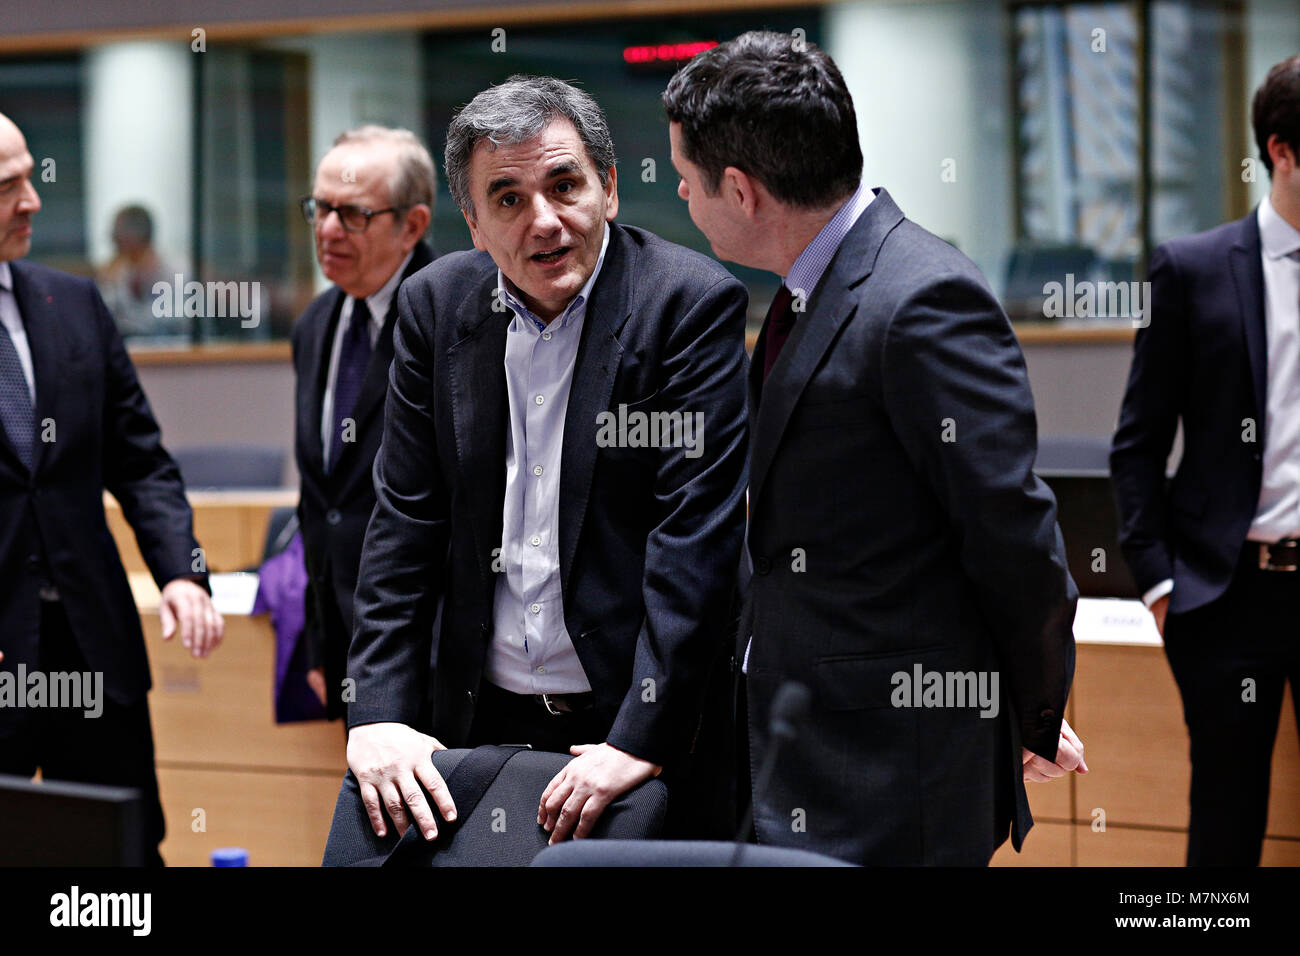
<point x="127" y="280"/>
<point x="370" y="207"/>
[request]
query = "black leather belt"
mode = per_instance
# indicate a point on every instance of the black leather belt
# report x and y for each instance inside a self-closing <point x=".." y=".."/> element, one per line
<point x="1283" y="555"/>
<point x="557" y="705"/>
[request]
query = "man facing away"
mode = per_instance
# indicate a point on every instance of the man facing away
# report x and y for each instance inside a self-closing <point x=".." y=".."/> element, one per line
<point x="370" y="206"/>
<point x="583" y="570"/>
<point x="907" y="565"/>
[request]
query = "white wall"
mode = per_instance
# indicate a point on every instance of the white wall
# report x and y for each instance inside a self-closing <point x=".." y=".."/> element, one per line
<point x="138" y="129"/>
<point x="929" y="82"/>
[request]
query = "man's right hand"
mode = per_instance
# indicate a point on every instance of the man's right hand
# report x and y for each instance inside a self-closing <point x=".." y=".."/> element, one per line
<point x="1158" y="610"/>
<point x="390" y="761"/>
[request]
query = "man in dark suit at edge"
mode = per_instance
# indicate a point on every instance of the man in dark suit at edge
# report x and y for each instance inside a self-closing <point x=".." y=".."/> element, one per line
<point x="370" y="207"/>
<point x="1216" y="550"/>
<point x="76" y="422"/>
<point x="585" y="577"/>
<point x="896" y="525"/>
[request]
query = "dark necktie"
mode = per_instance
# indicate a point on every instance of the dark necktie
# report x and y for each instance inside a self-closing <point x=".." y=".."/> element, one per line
<point x="780" y="322"/>
<point x="354" y="356"/>
<point x="15" y="401"/>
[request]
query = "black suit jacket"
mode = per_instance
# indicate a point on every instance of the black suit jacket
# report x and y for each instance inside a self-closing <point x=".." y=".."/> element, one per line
<point x="1206" y="326"/>
<point x="896" y="522"/>
<point x="334" y="506"/>
<point x="649" y="538"/>
<point x="102" y="434"/>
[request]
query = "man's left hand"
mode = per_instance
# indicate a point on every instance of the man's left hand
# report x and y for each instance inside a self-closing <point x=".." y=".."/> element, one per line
<point x="187" y="608"/>
<point x="1069" y="756"/>
<point x="579" y="794"/>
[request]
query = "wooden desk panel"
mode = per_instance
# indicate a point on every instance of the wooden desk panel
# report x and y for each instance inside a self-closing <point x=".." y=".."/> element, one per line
<point x="229" y="525"/>
<point x="1125" y="846"/>
<point x="1130" y="719"/>
<point x="219" y="712"/>
<point x="1048" y="844"/>
<point x="282" y="819"/>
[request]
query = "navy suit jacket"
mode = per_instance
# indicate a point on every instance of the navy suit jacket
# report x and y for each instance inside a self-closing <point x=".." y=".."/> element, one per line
<point x="896" y="524"/>
<point x="334" y="506"/>
<point x="649" y="538"/>
<point x="1201" y="358"/>
<point x="52" y="523"/>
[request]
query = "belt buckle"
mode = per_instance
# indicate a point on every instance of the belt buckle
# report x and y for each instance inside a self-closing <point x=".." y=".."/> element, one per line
<point x="1266" y="555"/>
<point x="550" y="706"/>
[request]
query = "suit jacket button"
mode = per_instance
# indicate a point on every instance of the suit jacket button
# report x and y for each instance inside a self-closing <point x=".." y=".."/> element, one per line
<point x="33" y="561"/>
<point x="763" y="566"/>
<point x="333" y="517"/>
<point x="1047" y="717"/>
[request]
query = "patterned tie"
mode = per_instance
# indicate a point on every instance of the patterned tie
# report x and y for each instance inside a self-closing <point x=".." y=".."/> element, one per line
<point x="15" y="401"/>
<point x="354" y="356"/>
<point x="780" y="322"/>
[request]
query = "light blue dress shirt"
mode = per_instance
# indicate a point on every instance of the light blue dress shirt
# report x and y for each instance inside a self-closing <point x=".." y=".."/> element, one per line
<point x="531" y="651"/>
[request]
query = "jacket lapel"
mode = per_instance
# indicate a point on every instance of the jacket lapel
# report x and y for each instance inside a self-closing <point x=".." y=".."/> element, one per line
<point x="1248" y="277"/>
<point x="829" y="307"/>
<point x="375" y="386"/>
<point x="480" y="413"/>
<point x="599" y="355"/>
<point x="318" y="359"/>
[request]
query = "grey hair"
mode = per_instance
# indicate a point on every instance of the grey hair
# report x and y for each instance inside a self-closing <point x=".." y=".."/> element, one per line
<point x="416" y="180"/>
<point x="516" y="111"/>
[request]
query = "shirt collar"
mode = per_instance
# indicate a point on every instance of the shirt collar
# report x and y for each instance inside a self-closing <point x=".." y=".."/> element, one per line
<point x="1277" y="236"/>
<point x="505" y="289"/>
<point x="6" y="277"/>
<point x="808" y="269"/>
<point x="379" y="301"/>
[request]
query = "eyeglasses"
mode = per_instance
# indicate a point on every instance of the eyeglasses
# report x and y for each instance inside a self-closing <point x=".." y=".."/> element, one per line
<point x="353" y="218"/>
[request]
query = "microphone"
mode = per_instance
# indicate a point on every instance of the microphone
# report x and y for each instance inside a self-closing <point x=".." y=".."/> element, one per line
<point x="790" y="708"/>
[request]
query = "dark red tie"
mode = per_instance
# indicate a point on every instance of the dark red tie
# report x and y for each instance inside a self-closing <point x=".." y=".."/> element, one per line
<point x="779" y="323"/>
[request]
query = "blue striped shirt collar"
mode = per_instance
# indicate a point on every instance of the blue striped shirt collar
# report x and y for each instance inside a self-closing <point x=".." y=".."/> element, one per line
<point x="808" y="269"/>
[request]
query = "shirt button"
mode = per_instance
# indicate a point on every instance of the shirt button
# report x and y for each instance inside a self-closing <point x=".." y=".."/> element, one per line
<point x="535" y="541"/>
<point x="541" y="669"/>
<point x="539" y="399"/>
<point x="537" y="470"/>
<point x="535" y="608"/>
<point x="546" y="336"/>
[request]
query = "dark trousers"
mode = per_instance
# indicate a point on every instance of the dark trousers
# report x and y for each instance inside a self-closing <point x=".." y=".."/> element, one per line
<point x="1231" y="660"/>
<point x="114" y="749"/>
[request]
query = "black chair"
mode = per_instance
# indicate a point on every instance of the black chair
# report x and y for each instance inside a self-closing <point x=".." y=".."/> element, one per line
<point x="54" y="823"/>
<point x="675" y="853"/>
<point x="221" y="467"/>
<point x="280" y="529"/>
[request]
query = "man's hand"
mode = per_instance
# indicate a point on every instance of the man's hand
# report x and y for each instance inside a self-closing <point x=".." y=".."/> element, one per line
<point x="1158" y="610"/>
<point x="1069" y="756"/>
<point x="390" y="761"/>
<point x="580" y="792"/>
<point x="316" y="681"/>
<point x="186" y="607"/>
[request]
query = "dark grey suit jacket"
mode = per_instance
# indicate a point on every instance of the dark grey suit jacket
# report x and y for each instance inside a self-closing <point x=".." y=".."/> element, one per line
<point x="896" y="523"/>
<point x="649" y="538"/>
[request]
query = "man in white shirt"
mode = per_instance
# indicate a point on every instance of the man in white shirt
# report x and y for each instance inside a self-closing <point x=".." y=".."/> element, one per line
<point x="1217" y="551"/>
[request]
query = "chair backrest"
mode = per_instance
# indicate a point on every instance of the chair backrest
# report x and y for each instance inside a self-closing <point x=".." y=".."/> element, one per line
<point x="217" y="467"/>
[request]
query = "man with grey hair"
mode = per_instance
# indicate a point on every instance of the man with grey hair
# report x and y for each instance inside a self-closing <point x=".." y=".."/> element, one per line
<point x="584" y="574"/>
<point x="370" y="206"/>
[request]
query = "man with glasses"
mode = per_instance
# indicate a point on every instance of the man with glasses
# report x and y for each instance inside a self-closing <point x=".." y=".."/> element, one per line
<point x="370" y="206"/>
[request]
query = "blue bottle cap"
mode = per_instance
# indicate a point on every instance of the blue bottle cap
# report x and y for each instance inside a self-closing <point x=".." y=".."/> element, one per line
<point x="230" y="856"/>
